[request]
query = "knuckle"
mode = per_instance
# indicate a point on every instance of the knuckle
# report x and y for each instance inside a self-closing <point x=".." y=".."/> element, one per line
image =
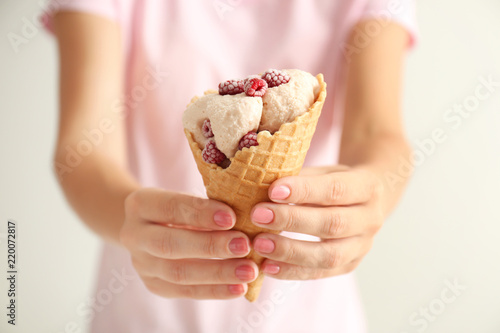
<point x="200" y="203"/>
<point x="164" y="245"/>
<point x="136" y="264"/>
<point x="168" y="208"/>
<point x="132" y="203"/>
<point x="290" y="254"/>
<point x="334" y="225"/>
<point x="355" y="264"/>
<point x="351" y="268"/>
<point x="214" y="292"/>
<point x="374" y="227"/>
<point x="337" y="191"/>
<point x="290" y="218"/>
<point x="376" y="220"/>
<point x="176" y="273"/>
<point x="303" y="273"/>
<point x="210" y="246"/>
<point x="367" y="249"/>
<point x="195" y="216"/>
<point x="316" y="274"/>
<point x="188" y="292"/>
<point x="305" y="192"/>
<point x="219" y="273"/>
<point x="124" y="237"/>
<point x="151" y="285"/>
<point x="188" y="213"/>
<point x="375" y="184"/>
<point x="331" y="259"/>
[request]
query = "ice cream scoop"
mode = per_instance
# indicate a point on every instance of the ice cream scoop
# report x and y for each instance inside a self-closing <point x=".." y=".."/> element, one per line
<point x="282" y="104"/>
<point x="267" y="101"/>
<point x="231" y="117"/>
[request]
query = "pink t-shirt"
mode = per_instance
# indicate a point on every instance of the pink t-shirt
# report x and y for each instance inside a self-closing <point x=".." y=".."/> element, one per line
<point x="177" y="49"/>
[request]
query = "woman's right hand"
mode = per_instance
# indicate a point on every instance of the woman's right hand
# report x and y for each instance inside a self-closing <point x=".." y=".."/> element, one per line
<point x="173" y="239"/>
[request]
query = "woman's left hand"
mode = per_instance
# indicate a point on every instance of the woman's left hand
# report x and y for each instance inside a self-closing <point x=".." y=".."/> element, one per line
<point x="342" y="206"/>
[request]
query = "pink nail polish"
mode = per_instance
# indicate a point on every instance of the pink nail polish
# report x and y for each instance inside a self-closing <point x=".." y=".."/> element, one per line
<point x="238" y="246"/>
<point x="223" y="219"/>
<point x="236" y="289"/>
<point x="262" y="215"/>
<point x="244" y="273"/>
<point x="280" y="192"/>
<point x="271" y="269"/>
<point x="263" y="245"/>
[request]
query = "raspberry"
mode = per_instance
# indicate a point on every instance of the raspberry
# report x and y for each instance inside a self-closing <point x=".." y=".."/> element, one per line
<point x="274" y="77"/>
<point x="248" y="140"/>
<point x="207" y="129"/>
<point x="255" y="86"/>
<point x="231" y="87"/>
<point x="211" y="154"/>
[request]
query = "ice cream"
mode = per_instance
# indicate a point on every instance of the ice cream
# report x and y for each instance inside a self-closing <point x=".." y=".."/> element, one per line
<point x="282" y="104"/>
<point x="243" y="180"/>
<point x="230" y="116"/>
<point x="258" y="103"/>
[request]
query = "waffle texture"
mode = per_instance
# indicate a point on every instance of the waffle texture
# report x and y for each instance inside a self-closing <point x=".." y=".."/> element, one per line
<point x="246" y="181"/>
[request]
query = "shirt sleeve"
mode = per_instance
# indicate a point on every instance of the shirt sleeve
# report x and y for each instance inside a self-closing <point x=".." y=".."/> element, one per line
<point x="105" y="8"/>
<point x="402" y="12"/>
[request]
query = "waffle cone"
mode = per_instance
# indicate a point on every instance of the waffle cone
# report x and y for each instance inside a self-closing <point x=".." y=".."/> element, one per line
<point x="246" y="181"/>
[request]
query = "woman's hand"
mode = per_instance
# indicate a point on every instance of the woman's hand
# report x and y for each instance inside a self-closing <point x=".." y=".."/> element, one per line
<point x="341" y="205"/>
<point x="173" y="239"/>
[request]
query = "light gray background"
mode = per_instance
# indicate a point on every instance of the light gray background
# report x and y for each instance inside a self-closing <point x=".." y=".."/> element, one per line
<point x="446" y="229"/>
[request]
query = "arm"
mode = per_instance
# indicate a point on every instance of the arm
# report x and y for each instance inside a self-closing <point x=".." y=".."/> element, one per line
<point x="344" y="205"/>
<point x="373" y="135"/>
<point x="91" y="77"/>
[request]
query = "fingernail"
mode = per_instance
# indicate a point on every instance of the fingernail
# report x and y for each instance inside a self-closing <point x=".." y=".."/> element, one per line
<point x="262" y="215"/>
<point x="223" y="219"/>
<point x="263" y="245"/>
<point x="280" y="192"/>
<point x="244" y="273"/>
<point x="271" y="269"/>
<point x="238" y="246"/>
<point x="236" y="289"/>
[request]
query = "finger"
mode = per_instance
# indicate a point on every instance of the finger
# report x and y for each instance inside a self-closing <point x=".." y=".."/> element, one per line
<point x="338" y="188"/>
<point x="171" y="290"/>
<point x="324" y="222"/>
<point x="167" y="207"/>
<point x="198" y="271"/>
<point x="285" y="271"/>
<point x="326" y="254"/>
<point x="174" y="243"/>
